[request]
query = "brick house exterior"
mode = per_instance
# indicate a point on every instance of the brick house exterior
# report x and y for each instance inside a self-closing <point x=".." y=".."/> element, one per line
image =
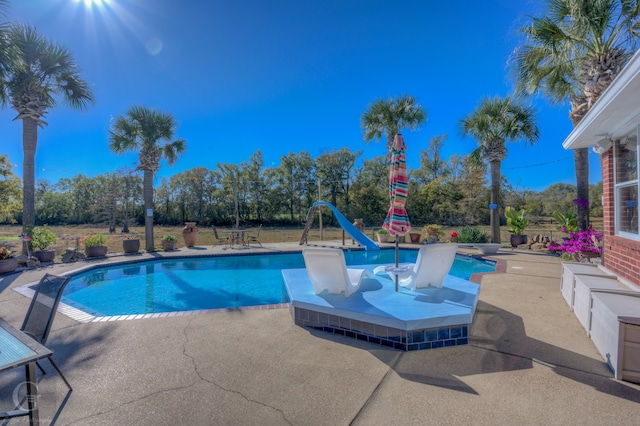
<point x="612" y="128"/>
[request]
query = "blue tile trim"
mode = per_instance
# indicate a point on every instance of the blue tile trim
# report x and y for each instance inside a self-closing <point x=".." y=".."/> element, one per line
<point x="412" y="340"/>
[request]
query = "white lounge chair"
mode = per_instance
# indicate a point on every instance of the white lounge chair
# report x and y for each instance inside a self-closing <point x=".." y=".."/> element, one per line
<point x="327" y="270"/>
<point x="432" y="265"/>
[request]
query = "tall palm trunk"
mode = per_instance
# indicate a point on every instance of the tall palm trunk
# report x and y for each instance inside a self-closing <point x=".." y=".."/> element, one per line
<point x="581" y="160"/>
<point x="581" y="164"/>
<point x="147" y="185"/>
<point x="29" y="143"/>
<point x="495" y="200"/>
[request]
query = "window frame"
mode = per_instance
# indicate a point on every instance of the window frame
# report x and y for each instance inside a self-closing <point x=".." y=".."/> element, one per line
<point x="618" y="187"/>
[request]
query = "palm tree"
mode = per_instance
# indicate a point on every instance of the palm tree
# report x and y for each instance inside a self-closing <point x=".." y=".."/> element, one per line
<point x="388" y="118"/>
<point x="35" y="72"/>
<point x="3" y="40"/>
<point x="142" y="129"/>
<point x="494" y="122"/>
<point x="573" y="53"/>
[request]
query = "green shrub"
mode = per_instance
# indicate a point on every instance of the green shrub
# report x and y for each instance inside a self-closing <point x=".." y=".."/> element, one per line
<point x="42" y="238"/>
<point x="94" y="240"/>
<point x="169" y="238"/>
<point x="470" y="234"/>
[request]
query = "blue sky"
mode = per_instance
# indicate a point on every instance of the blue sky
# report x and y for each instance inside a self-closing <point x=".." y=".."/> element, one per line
<point x="283" y="76"/>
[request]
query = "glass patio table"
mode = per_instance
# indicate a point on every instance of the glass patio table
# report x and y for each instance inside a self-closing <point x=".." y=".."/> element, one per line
<point x="18" y="349"/>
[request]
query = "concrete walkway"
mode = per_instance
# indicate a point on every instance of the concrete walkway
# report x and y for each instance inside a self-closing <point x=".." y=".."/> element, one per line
<point x="529" y="362"/>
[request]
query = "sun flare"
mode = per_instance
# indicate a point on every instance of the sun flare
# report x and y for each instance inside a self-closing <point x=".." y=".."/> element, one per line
<point x="90" y="3"/>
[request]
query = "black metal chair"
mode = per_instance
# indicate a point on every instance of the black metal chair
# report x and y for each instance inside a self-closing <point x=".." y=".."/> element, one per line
<point x="219" y="240"/>
<point x="255" y="238"/>
<point x="42" y="311"/>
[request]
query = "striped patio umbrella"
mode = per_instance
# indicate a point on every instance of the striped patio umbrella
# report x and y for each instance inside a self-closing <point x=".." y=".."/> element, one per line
<point x="397" y="220"/>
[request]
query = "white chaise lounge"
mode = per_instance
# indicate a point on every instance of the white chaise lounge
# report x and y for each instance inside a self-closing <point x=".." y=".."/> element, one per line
<point x="432" y="265"/>
<point x="327" y="270"/>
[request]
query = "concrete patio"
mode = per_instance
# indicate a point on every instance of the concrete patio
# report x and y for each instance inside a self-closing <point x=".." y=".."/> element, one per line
<point x="528" y="361"/>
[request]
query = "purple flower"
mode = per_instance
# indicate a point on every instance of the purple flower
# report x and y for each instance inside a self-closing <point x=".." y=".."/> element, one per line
<point x="586" y="241"/>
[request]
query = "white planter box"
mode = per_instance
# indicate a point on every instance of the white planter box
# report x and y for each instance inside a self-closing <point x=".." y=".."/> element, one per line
<point x="615" y="331"/>
<point x="584" y="285"/>
<point x="570" y="270"/>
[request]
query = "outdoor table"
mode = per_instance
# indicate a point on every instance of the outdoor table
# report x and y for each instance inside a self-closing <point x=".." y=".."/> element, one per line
<point x="237" y="235"/>
<point x="18" y="349"/>
<point x="396" y="271"/>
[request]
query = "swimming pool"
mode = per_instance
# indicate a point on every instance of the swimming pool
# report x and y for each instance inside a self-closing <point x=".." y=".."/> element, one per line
<point x="187" y="284"/>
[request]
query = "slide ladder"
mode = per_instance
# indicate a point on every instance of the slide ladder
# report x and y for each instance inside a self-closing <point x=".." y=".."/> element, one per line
<point x="307" y="226"/>
<point x="349" y="228"/>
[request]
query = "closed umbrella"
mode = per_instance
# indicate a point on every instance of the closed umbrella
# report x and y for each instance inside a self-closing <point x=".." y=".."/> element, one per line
<point x="397" y="220"/>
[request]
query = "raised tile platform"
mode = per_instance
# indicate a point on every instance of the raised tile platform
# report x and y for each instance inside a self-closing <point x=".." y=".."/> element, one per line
<point x="406" y="320"/>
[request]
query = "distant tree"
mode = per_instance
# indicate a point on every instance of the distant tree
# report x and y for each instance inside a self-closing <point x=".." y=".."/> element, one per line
<point x="257" y="183"/>
<point x="573" y="53"/>
<point x="295" y="178"/>
<point x="494" y="122"/>
<point x="387" y="118"/>
<point x="370" y="191"/>
<point x="151" y="133"/>
<point x="335" y="171"/>
<point x="35" y="72"/>
<point x="10" y="192"/>
<point x="432" y="165"/>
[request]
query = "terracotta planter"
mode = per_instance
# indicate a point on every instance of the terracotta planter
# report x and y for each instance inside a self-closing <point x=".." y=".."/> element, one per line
<point x="8" y="265"/>
<point x="45" y="255"/>
<point x="96" y="251"/>
<point x="168" y="245"/>
<point x="190" y="234"/>
<point x="415" y="237"/>
<point x="130" y="246"/>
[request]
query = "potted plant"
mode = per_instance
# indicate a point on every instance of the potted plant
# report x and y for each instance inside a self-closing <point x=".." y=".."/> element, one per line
<point x="454" y="237"/>
<point x="131" y="244"/>
<point x="517" y="224"/>
<point x="168" y="242"/>
<point x="580" y="245"/>
<point x="41" y="239"/>
<point x="95" y="245"/>
<point x="433" y="232"/>
<point x="382" y="235"/>
<point x="8" y="263"/>
<point x="472" y="235"/>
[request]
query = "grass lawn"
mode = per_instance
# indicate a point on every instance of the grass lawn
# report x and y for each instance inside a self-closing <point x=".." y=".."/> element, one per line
<point x="68" y="234"/>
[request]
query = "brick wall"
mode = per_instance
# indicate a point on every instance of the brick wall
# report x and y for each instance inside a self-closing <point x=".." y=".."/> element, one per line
<point x="621" y="255"/>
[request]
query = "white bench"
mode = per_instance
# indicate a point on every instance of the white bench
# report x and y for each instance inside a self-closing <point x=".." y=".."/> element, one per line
<point x="584" y="286"/>
<point x="615" y="331"/>
<point x="570" y="270"/>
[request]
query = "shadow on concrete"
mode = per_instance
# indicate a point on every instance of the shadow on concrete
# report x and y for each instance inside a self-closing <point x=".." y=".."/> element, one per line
<point x="498" y="343"/>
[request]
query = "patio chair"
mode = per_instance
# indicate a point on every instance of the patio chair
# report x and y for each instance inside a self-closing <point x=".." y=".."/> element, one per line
<point x="255" y="238"/>
<point x="327" y="270"/>
<point x="219" y="240"/>
<point x="432" y="265"/>
<point x="42" y="310"/>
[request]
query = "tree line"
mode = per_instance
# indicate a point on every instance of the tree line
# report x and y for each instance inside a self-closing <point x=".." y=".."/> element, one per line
<point x="451" y="191"/>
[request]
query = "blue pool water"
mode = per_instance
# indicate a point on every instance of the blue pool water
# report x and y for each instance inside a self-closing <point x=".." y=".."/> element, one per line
<point x="208" y="283"/>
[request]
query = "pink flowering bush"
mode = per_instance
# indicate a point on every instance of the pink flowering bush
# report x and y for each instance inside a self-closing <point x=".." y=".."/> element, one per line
<point x="589" y="241"/>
